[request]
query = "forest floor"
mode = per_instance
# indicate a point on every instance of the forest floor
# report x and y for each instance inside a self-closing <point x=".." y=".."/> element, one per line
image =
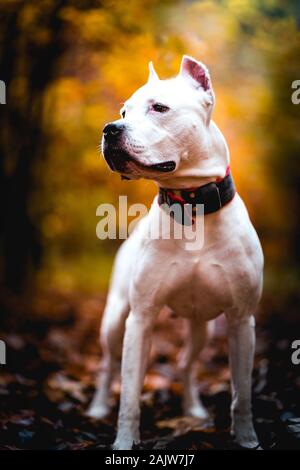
<point x="52" y="363"/>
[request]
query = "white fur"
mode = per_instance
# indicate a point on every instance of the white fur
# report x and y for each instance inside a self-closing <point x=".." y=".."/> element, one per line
<point x="224" y="275"/>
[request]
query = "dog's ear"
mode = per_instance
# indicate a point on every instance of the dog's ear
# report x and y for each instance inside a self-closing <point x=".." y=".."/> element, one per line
<point x="198" y="76"/>
<point x="197" y="72"/>
<point x="152" y="74"/>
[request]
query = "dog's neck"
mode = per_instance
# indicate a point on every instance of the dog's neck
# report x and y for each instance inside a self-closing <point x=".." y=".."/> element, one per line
<point x="201" y="166"/>
<point x="184" y="205"/>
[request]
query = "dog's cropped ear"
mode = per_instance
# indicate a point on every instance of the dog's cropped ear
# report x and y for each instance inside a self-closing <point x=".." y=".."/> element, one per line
<point x="196" y="72"/>
<point x="198" y="76"/>
<point x="152" y="74"/>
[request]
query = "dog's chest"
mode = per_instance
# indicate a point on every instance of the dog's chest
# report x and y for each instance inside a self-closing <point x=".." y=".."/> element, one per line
<point x="204" y="281"/>
<point x="190" y="283"/>
<point x="197" y="287"/>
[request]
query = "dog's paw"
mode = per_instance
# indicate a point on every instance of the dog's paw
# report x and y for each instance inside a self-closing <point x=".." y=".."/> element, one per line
<point x="197" y="411"/>
<point x="248" y="444"/>
<point x="117" y="445"/>
<point x="97" y="412"/>
<point x="245" y="436"/>
<point x="124" y="443"/>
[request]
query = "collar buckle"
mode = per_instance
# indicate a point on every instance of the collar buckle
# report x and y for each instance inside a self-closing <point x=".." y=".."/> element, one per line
<point x="210" y="194"/>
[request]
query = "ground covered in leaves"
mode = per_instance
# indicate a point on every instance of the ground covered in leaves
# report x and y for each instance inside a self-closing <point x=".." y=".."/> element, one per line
<point x="52" y="362"/>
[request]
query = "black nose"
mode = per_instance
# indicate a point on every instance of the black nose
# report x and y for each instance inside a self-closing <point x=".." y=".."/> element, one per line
<point x="113" y="130"/>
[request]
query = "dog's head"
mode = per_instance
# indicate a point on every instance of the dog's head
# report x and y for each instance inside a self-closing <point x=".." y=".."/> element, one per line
<point x="162" y="124"/>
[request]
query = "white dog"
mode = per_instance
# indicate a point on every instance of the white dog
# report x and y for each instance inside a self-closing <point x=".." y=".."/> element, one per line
<point x="166" y="134"/>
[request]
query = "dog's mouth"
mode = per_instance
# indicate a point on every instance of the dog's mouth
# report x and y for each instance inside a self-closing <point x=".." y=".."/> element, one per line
<point x="124" y="163"/>
<point x="164" y="167"/>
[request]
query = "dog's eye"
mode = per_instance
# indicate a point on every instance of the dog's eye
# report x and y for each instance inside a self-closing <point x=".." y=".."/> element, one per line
<point x="123" y="113"/>
<point x="160" y="108"/>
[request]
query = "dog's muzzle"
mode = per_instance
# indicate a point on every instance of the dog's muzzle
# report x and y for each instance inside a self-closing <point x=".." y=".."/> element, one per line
<point x="113" y="131"/>
<point x="118" y="159"/>
<point x="113" y="154"/>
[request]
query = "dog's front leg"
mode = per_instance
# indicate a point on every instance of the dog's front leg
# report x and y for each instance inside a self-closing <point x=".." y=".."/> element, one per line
<point x="136" y="347"/>
<point x="241" y="332"/>
<point x="192" y="405"/>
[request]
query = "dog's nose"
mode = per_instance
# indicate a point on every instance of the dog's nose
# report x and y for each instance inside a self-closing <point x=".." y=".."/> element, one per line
<point x="113" y="130"/>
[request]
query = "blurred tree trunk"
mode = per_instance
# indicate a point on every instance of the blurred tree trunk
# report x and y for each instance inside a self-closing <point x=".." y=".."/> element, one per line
<point x="27" y="65"/>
